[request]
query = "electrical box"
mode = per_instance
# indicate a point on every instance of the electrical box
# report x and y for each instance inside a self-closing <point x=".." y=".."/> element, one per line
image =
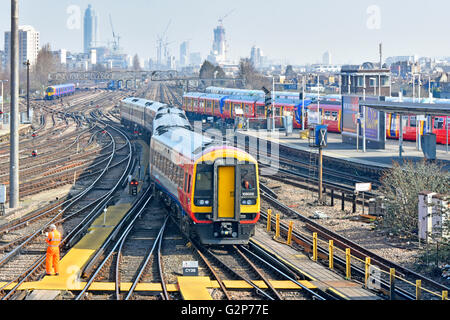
<point x="433" y="214"/>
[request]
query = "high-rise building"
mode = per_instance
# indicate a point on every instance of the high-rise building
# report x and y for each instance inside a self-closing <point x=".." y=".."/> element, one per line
<point x="28" y="45"/>
<point x="219" y="51"/>
<point x="326" y="58"/>
<point x="184" y="54"/>
<point x="256" y="56"/>
<point x="91" y="33"/>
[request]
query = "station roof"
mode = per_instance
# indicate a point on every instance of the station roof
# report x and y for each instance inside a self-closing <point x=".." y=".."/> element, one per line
<point x="438" y="109"/>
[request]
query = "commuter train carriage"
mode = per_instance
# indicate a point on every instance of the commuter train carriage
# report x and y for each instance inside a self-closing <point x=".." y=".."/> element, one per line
<point x="55" y="92"/>
<point x="228" y="107"/>
<point x="211" y="188"/>
<point x="413" y="127"/>
<point x="138" y="114"/>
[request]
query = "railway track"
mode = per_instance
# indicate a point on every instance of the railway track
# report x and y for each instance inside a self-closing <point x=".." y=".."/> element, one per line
<point x="305" y="240"/>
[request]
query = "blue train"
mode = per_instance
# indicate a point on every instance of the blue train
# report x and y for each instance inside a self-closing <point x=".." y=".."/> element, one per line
<point x="55" y="92"/>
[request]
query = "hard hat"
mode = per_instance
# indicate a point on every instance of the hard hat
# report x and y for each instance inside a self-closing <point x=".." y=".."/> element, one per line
<point x="52" y="227"/>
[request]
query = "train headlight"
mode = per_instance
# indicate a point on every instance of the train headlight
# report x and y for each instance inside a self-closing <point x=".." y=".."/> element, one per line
<point x="201" y="202"/>
<point x="248" y="202"/>
<point x="207" y="202"/>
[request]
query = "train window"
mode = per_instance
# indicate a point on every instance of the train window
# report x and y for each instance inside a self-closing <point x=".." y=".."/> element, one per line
<point x="204" y="181"/>
<point x="334" y="114"/>
<point x="248" y="177"/>
<point x="185" y="181"/>
<point x="278" y="111"/>
<point x="327" y="113"/>
<point x="189" y="184"/>
<point x="439" y="123"/>
<point x="261" y="110"/>
<point x="413" y="122"/>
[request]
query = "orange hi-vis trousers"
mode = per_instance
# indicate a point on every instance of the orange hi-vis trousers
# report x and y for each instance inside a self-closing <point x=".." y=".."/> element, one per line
<point x="52" y="261"/>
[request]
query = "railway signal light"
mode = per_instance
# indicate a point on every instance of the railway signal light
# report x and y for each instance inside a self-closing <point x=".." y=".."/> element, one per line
<point x="134" y="187"/>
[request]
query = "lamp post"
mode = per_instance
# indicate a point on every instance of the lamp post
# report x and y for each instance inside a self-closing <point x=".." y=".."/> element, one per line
<point x="14" y="109"/>
<point x="363" y="122"/>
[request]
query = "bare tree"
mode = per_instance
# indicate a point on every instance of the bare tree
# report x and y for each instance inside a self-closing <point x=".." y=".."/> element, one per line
<point x="401" y="186"/>
<point x="252" y="78"/>
<point x="46" y="63"/>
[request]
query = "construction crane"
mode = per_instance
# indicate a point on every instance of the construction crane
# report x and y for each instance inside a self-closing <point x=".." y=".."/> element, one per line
<point x="225" y="16"/>
<point x="162" y="44"/>
<point x="116" y="43"/>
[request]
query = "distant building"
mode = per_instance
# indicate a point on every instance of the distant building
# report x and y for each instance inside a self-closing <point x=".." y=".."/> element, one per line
<point x="184" y="54"/>
<point x="29" y="45"/>
<point x="90" y="32"/>
<point x="355" y="77"/>
<point x="326" y="58"/>
<point x="61" y="56"/>
<point x="256" y="57"/>
<point x="404" y="68"/>
<point x="195" y="59"/>
<point x="324" y="68"/>
<point x="219" y="51"/>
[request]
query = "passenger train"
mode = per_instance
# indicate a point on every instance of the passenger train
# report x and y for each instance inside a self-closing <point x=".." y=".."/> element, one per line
<point x="212" y="189"/>
<point x="55" y="92"/>
<point x="226" y="104"/>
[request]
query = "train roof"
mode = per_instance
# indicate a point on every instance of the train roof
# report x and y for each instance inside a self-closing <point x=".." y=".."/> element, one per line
<point x="164" y="121"/>
<point x="184" y="141"/>
<point x="144" y="103"/>
<point x="59" y="86"/>
<point x="193" y="94"/>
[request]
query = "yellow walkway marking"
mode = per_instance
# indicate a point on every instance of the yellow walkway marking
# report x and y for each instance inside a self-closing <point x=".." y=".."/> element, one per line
<point x="194" y="288"/>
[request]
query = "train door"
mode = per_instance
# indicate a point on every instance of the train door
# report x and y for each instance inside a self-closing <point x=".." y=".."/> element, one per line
<point x="226" y="192"/>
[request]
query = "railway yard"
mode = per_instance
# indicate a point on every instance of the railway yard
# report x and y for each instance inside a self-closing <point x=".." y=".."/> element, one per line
<point x="116" y="246"/>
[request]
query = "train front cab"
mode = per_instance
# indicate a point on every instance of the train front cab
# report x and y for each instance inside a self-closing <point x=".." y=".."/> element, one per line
<point x="225" y="201"/>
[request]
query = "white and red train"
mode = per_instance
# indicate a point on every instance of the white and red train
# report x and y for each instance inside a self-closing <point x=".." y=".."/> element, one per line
<point x="226" y="104"/>
<point x="212" y="189"/>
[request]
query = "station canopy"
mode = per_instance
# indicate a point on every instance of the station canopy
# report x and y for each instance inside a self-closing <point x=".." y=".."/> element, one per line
<point x="409" y="108"/>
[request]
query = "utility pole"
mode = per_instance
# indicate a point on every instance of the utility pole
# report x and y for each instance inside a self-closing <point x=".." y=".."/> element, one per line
<point x="14" y="128"/>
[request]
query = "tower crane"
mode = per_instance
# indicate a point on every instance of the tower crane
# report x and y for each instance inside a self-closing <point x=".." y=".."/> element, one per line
<point x="116" y="39"/>
<point x="225" y="16"/>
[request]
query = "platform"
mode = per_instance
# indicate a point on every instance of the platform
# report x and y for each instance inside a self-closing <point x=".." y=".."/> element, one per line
<point x="337" y="149"/>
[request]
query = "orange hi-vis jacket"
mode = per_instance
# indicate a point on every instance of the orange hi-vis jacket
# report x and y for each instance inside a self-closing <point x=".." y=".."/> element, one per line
<point x="54" y="239"/>
<point x="52" y="259"/>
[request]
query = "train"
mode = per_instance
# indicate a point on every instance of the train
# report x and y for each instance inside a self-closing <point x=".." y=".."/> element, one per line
<point x="211" y="188"/>
<point x="55" y="92"/>
<point x="226" y="104"/>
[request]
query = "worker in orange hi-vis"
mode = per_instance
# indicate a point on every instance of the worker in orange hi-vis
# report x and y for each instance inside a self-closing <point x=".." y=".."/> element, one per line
<point x="53" y="240"/>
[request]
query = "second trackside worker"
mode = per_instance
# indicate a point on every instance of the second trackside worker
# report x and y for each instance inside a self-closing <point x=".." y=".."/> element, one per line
<point x="53" y="240"/>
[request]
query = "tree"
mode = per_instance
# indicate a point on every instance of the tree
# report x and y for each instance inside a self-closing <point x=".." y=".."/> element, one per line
<point x="252" y="78"/>
<point x="207" y="70"/>
<point x="136" y="63"/>
<point x="290" y="73"/>
<point x="401" y="186"/>
<point x="46" y="63"/>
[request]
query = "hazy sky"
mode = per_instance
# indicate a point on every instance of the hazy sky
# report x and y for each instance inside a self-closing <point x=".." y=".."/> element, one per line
<point x="293" y="31"/>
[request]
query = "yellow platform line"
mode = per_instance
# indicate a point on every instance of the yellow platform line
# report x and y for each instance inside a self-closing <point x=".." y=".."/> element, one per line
<point x="194" y="283"/>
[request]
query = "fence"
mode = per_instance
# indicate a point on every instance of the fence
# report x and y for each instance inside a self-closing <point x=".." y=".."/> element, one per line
<point x="374" y="277"/>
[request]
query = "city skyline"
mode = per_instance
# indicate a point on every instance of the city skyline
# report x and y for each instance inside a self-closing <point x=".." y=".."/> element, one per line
<point x="352" y="31"/>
